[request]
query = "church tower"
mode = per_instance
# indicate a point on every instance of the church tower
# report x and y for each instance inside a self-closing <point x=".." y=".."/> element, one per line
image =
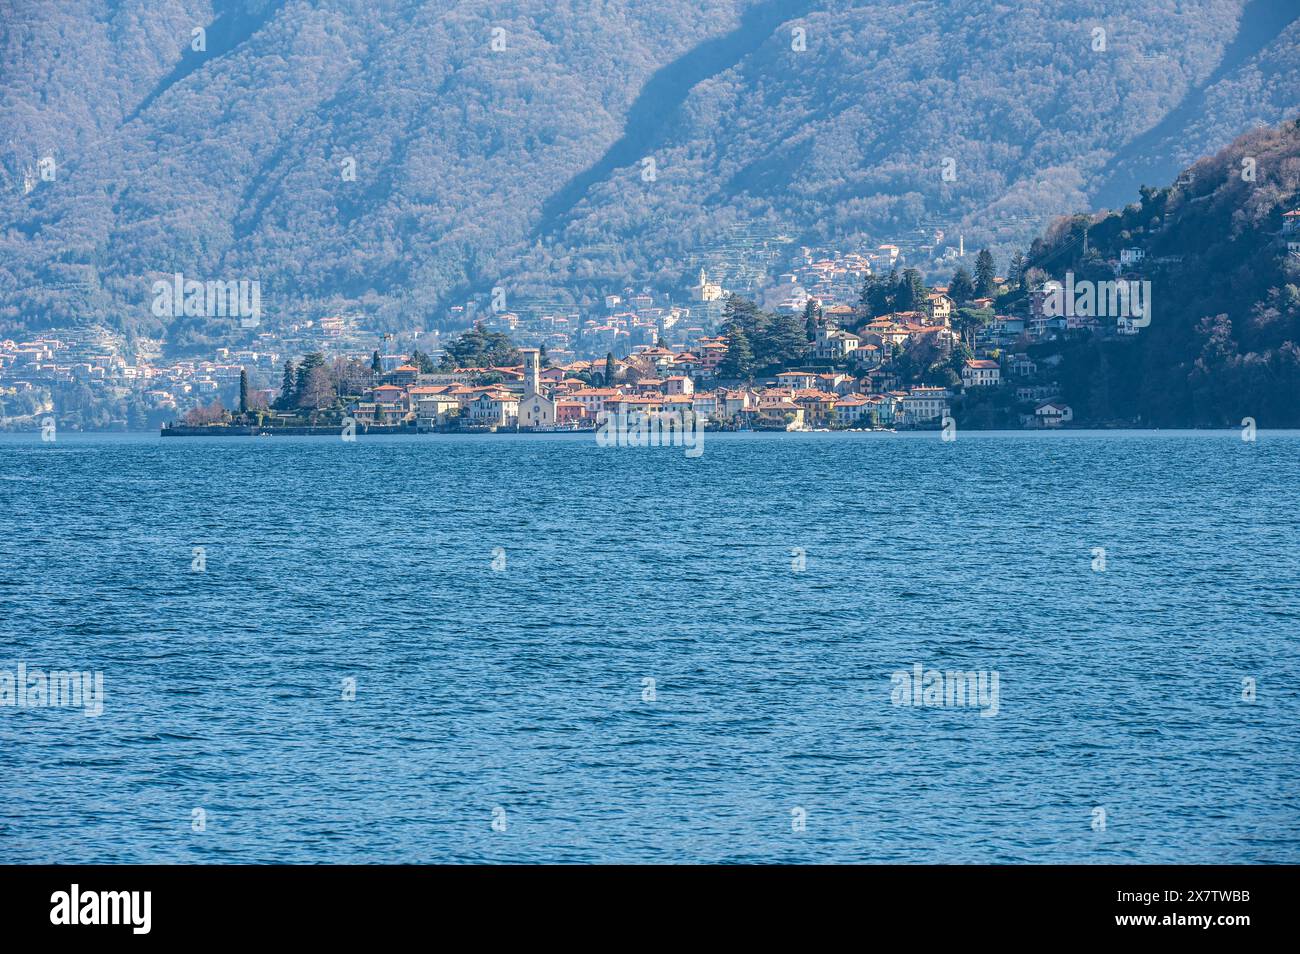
<point x="532" y="371"/>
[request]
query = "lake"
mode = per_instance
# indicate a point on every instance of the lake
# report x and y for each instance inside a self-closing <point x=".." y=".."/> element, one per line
<point x="525" y="648"/>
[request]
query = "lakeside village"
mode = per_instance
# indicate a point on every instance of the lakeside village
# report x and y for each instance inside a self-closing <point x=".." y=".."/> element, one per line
<point x="838" y="341"/>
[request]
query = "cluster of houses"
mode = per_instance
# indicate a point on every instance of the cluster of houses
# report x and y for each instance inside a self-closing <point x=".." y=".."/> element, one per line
<point x="94" y="357"/>
<point x="532" y="397"/>
<point x="535" y="398"/>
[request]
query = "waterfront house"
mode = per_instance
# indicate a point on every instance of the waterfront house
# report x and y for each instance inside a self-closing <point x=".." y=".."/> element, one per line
<point x="1053" y="414"/>
<point x="570" y="412"/>
<point x="594" y="400"/>
<point x="497" y="408"/>
<point x="433" y="410"/>
<point x="705" y="404"/>
<point x="925" y="404"/>
<point x="850" y="411"/>
<point x="781" y="413"/>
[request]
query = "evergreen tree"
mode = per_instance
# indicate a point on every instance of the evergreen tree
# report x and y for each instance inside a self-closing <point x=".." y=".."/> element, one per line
<point x="743" y="312"/>
<point x="961" y="289"/>
<point x="811" y="317"/>
<point x="243" y="390"/>
<point x="1017" y="270"/>
<point x="423" y="362"/>
<point x="985" y="274"/>
<point x="376" y="365"/>
<point x="285" y="400"/>
<point x="478" y="348"/>
<point x="879" y="294"/>
<point x="787" y="340"/>
<point x="610" y="369"/>
<point x="309" y="363"/>
<point x="912" y="295"/>
<point x="739" y="359"/>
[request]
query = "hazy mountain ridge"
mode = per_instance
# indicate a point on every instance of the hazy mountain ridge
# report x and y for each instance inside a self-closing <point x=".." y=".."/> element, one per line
<point x="235" y="168"/>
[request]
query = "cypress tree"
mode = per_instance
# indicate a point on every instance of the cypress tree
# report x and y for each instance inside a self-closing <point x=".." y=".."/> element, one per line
<point x="286" y="385"/>
<point x="243" y="390"/>
<point x="985" y="273"/>
<point x="810" y="317"/>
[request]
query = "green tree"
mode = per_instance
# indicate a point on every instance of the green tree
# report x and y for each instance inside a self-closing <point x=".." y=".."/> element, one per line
<point x="286" y="398"/>
<point x="376" y="365"/>
<point x="423" y="362"/>
<point x="610" y="369"/>
<point x="878" y="294"/>
<point x="787" y="339"/>
<point x="961" y="289"/>
<point x="309" y="364"/>
<point x="738" y="362"/>
<point x="985" y="274"/>
<point x="911" y="293"/>
<point x="243" y="391"/>
<point x="1017" y="272"/>
<point x="812" y="318"/>
<point x="477" y="348"/>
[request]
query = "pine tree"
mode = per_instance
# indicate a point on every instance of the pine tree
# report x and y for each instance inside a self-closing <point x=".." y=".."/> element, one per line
<point x="610" y="369"/>
<point x="879" y="294"/>
<point x="423" y="362"/>
<point x="739" y="359"/>
<point x="912" y="294"/>
<point x="285" y="400"/>
<point x="243" y="390"/>
<point x="985" y="274"/>
<point x="961" y="289"/>
<point x="811" y="318"/>
<point x="787" y="339"/>
<point x="376" y="365"/>
<point x="309" y="364"/>
<point x="1017" y="270"/>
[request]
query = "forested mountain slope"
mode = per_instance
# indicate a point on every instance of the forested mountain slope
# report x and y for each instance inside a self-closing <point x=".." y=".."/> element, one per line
<point x="503" y="144"/>
<point x="1223" y="342"/>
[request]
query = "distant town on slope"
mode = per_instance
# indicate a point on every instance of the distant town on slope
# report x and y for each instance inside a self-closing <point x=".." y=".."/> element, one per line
<point x="1180" y="310"/>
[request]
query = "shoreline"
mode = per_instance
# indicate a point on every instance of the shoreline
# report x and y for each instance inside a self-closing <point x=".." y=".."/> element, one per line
<point x="246" y="431"/>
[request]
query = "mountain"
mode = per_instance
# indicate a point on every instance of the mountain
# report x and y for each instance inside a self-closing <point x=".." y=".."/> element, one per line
<point x="399" y="157"/>
<point x="1223" y="342"/>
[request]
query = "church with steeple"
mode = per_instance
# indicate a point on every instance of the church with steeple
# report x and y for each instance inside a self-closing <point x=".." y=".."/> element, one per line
<point x="535" y="408"/>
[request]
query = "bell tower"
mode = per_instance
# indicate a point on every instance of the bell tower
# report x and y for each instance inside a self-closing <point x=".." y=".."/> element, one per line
<point x="532" y="371"/>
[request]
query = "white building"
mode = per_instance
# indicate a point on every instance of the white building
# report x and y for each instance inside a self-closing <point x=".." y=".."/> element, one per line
<point x="1053" y="414"/>
<point x="924" y="404"/>
<point x="981" y="373"/>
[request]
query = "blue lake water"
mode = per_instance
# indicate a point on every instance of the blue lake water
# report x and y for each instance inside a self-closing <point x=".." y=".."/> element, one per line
<point x="769" y="588"/>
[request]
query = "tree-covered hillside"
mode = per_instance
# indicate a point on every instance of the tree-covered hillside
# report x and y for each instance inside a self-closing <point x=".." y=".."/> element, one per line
<point x="1223" y="342"/>
<point x="397" y="156"/>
